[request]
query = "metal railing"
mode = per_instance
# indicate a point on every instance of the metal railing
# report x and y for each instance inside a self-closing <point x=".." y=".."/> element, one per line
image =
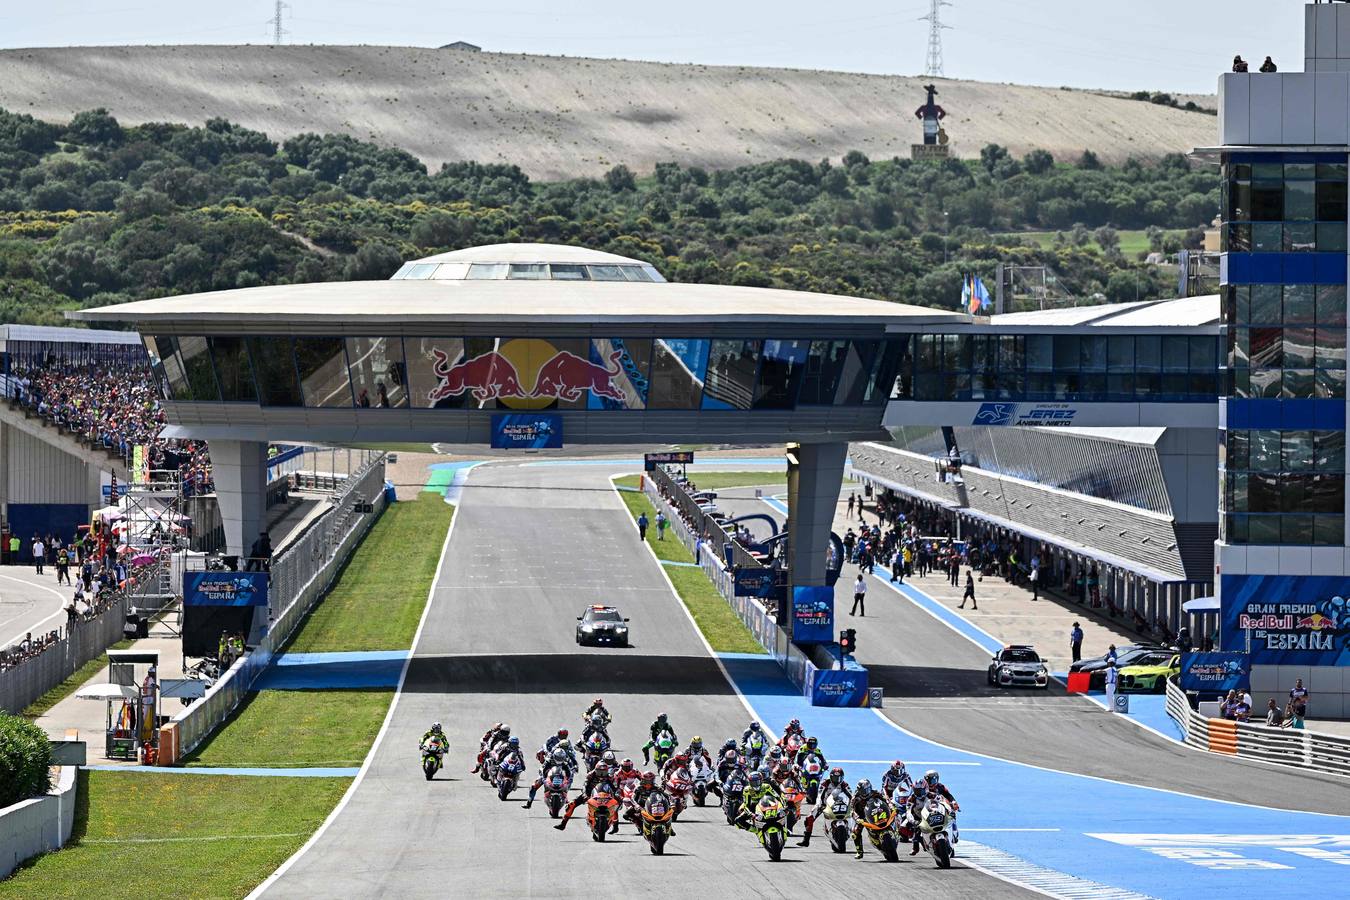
<point x="300" y="576"/>
<point x="87" y="640"/>
<point x="1296" y="747"/>
<point x="688" y="510"/>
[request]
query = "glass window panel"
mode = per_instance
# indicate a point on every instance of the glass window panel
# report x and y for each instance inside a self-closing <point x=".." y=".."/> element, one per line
<point x="732" y="365"/>
<point x="1330" y="383"/>
<point x="420" y="271"/>
<point x="606" y="273"/>
<point x="1239" y="201"/>
<point x="1204" y="354"/>
<point x="636" y="273"/>
<point x="1331" y="201"/>
<point x="1120" y="354"/>
<point x="882" y="382"/>
<point x="1300" y="305"/>
<point x="487" y="271"/>
<point x="1330" y="451"/>
<point x="1267" y="202"/>
<point x="780" y="375"/>
<point x="1298" y="384"/>
<point x="1331" y="304"/>
<point x="155" y="359"/>
<point x="528" y="272"/>
<point x="1329" y="530"/>
<point x="1263" y="529"/>
<point x="1267" y="237"/>
<point x="555" y="373"/>
<point x="1040" y="386"/>
<point x="1297" y="450"/>
<point x="378" y="371"/>
<point x="196" y="360"/>
<point x="1237" y="238"/>
<point x="1300" y="237"/>
<point x="451" y="271"/>
<point x="1242" y="302"/>
<point x="1267" y="171"/>
<point x="1238" y="454"/>
<point x="461" y="373"/>
<point x="568" y="273"/>
<point x="928" y="385"/>
<point x="965" y="351"/>
<point x="1066" y="353"/>
<point x="1237" y="529"/>
<point x="1264" y="383"/>
<point x="165" y="349"/>
<point x="1330" y="237"/>
<point x="633" y="360"/>
<point x="1242" y="170"/>
<point x="1263" y="493"/>
<point x="402" y="272"/>
<point x="1148" y="353"/>
<point x="1241" y="350"/>
<point x="904" y="381"/>
<point x="1266" y="305"/>
<point x="1176" y="353"/>
<point x="1331" y="171"/>
<point x="1330" y="352"/>
<point x="232" y="369"/>
<point x="652" y="274"/>
<point x="1301" y="170"/>
<point x="1296" y="529"/>
<point x="1294" y="494"/>
<point x="1205" y="385"/>
<point x="1264" y="451"/>
<point x="1092" y="355"/>
<point x="1267" y="345"/>
<point x="1300" y="201"/>
<point x="1325" y="494"/>
<point x="1237" y="485"/>
<point x="678" y="368"/>
<point x="1120" y="387"/>
<point x="1298" y="348"/>
<point x="274" y="369"/>
<point x="857" y="370"/>
<point x="323" y="372"/>
<point x="1040" y="353"/>
<point x="929" y="350"/>
<point x="1092" y="387"/>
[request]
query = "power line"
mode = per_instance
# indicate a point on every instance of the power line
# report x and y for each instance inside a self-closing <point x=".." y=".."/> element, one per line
<point x="277" y="31"/>
<point x="932" y="67"/>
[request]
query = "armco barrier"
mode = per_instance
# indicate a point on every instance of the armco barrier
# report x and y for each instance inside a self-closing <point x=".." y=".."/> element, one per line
<point x="300" y="575"/>
<point x="88" y="640"/>
<point x="39" y="825"/>
<point x="1297" y="747"/>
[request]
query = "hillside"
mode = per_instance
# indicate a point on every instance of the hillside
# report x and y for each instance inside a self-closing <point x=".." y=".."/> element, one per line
<point x="561" y="117"/>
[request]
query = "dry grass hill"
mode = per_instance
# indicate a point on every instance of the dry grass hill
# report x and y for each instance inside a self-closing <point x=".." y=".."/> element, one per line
<point x="561" y="117"/>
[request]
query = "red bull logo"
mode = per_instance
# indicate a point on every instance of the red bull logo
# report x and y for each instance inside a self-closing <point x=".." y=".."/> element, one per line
<point x="1317" y="622"/>
<point x="498" y="375"/>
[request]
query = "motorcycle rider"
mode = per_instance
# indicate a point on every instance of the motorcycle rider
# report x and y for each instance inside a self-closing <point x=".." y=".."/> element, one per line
<point x="598" y="706"/>
<point x="599" y="779"/>
<point x="493" y="736"/>
<point x="730" y="762"/>
<point x="435" y="732"/>
<point x="645" y="788"/>
<point x="757" y="787"/>
<point x="696" y="751"/>
<point x="596" y="725"/>
<point x="809" y="749"/>
<point x="547" y="750"/>
<point x="753" y="729"/>
<point x="895" y="777"/>
<point x="659" y="727"/>
<point x="862" y="795"/>
<point x="558" y="758"/>
<point x="508" y="750"/>
<point x="936" y="787"/>
<point x="793" y="727"/>
<point x="834" y="784"/>
<point x="918" y="798"/>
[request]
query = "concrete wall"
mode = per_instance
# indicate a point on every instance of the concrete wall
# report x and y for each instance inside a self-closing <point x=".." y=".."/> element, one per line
<point x="40" y="825"/>
<point x="1328" y="690"/>
<point x="40" y="472"/>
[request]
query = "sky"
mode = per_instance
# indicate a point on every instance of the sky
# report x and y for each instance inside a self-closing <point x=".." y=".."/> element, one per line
<point x="1174" y="45"/>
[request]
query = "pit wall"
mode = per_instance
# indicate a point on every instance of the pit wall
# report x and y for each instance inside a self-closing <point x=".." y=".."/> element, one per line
<point x="40" y="825"/>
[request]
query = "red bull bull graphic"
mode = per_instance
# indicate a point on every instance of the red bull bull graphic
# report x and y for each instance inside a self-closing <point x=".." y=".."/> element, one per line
<point x="530" y="373"/>
<point x="568" y="377"/>
<point x="1288" y="620"/>
<point x="488" y="376"/>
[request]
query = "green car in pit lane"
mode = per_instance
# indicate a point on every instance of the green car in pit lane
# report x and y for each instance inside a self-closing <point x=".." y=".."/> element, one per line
<point x="1150" y="674"/>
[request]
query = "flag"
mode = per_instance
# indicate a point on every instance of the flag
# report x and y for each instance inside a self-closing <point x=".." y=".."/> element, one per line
<point x="966" y="293"/>
<point x="980" y="301"/>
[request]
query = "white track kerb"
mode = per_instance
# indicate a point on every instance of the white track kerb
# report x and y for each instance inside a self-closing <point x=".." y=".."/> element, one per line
<point x="384" y="726"/>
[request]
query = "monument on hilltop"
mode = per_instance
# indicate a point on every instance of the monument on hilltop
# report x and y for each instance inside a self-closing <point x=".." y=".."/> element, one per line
<point x="934" y="144"/>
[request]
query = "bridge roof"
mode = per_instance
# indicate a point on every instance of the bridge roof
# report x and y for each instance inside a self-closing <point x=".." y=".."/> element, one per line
<point x="1186" y="312"/>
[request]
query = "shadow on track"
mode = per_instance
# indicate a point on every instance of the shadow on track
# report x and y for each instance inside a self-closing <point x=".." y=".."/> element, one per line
<point x="930" y="681"/>
<point x="581" y="673"/>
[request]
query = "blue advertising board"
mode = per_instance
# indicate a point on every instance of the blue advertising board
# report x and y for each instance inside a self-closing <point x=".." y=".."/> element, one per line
<point x="527" y="431"/>
<point x="1291" y="620"/>
<point x="1216" y="673"/>
<point x="753" y="582"/>
<point x="839" y="687"/>
<point x="812" y="614"/>
<point x="225" y="588"/>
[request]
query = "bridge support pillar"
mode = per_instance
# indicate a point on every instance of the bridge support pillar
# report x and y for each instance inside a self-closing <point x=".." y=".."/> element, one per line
<point x="813" y="493"/>
<point x="239" y="469"/>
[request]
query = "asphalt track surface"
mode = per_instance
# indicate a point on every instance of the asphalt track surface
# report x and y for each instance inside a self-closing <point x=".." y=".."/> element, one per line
<point x="531" y="546"/>
<point x="935" y="686"/>
<point x="29" y="602"/>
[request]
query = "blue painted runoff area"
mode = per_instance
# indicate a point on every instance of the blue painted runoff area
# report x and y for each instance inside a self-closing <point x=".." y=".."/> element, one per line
<point x="333" y="671"/>
<point x="261" y="773"/>
<point x="671" y="562"/>
<point x="448" y="478"/>
<point x="1144" y="840"/>
<point x="776" y="504"/>
<point x="715" y="461"/>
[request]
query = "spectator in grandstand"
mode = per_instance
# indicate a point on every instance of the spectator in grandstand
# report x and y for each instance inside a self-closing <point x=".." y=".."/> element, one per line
<point x="1274" y="717"/>
<point x="1298" y="696"/>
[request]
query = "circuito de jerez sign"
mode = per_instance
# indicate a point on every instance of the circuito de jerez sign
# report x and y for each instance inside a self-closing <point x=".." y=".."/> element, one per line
<point x="1288" y="619"/>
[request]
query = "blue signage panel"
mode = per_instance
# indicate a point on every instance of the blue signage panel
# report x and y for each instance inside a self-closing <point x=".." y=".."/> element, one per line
<point x="1038" y="414"/>
<point x="225" y="588"/>
<point x="527" y="431"/>
<point x="754" y="582"/>
<point x="1216" y="673"/>
<point x="839" y="687"/>
<point x="812" y="614"/>
<point x="1291" y="620"/>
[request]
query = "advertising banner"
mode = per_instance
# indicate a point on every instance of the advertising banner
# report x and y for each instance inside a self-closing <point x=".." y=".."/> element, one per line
<point x="812" y="615"/>
<point x="839" y="687"/>
<point x="679" y="457"/>
<point x="754" y="582"/>
<point x="527" y="431"/>
<point x="225" y="588"/>
<point x="1290" y="620"/>
<point x="1215" y="673"/>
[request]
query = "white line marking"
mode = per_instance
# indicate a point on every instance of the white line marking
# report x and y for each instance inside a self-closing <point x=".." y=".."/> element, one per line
<point x="969" y="830"/>
<point x="1050" y="882"/>
<point x="384" y="727"/>
<point x="36" y="626"/>
<point x="915" y="762"/>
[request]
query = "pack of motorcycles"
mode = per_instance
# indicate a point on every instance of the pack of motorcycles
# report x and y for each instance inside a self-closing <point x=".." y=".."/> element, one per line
<point x="885" y="823"/>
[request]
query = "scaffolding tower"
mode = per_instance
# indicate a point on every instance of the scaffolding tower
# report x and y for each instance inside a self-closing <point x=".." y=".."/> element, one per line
<point x="154" y="531"/>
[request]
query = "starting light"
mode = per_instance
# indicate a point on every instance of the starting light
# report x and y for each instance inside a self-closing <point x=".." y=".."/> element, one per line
<point x="848" y="641"/>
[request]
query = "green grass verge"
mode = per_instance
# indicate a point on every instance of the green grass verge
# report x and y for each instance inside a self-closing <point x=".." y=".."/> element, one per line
<point x="43" y="704"/>
<point x="712" y="481"/>
<point x="140" y="834"/>
<point x="378" y="600"/>
<point x="296" y="729"/>
<point x="724" y="630"/>
<point x="1132" y="241"/>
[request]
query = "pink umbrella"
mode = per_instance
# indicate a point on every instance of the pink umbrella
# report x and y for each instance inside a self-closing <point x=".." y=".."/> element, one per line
<point x="142" y="559"/>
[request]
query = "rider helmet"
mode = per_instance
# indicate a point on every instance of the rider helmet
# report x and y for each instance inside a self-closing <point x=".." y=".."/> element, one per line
<point x="836" y="775"/>
<point x="931" y="778"/>
<point x="729" y="744"/>
<point x="598" y="702"/>
<point x="898" y="766"/>
<point x="811" y="743"/>
<point x="627" y="764"/>
<point x="505" y="730"/>
<point x="609" y="757"/>
<point x="648" y="777"/>
<point x="696" y="742"/>
<point x="562" y="733"/>
<point x="559" y="755"/>
<point x="864" y="788"/>
<point x="661" y="717"/>
<point x="601" y="768"/>
<point x="730" y="756"/>
<point x="514" y="741"/>
<point x="920" y="791"/>
<point x="756" y="778"/>
<point x="754" y="726"/>
<point x="565" y="745"/>
<point x="435" y="726"/>
<point x="795" y="725"/>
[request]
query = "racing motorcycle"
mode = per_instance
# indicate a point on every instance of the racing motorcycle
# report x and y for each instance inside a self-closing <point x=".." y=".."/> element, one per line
<point x="732" y="792"/>
<point x="793" y="795"/>
<point x="663" y="749"/>
<point x="937" y="827"/>
<point x="507" y="775"/>
<point x="433" y="754"/>
<point x="657" y="814"/>
<point x="594" y="748"/>
<point x="836" y="821"/>
<point x="878" y="821"/>
<point x="679" y="784"/>
<point x="704" y="777"/>
<point x="556" y="782"/>
<point x="791" y="744"/>
<point x="601" y="811"/>
<point x="768" y="824"/>
<point x="813" y="769"/>
<point x="905" y="826"/>
<point x="754" y="749"/>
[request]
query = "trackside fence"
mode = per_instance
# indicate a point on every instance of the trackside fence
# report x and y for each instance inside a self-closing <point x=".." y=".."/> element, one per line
<point x="1297" y="747"/>
<point x="84" y="641"/>
<point x="300" y="576"/>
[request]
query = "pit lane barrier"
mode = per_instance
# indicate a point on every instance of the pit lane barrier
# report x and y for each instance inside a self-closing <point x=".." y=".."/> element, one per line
<point x="1295" y="747"/>
<point x="300" y="576"/>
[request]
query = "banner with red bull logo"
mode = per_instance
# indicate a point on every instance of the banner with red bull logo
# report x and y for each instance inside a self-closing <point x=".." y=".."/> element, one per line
<point x="1288" y="619"/>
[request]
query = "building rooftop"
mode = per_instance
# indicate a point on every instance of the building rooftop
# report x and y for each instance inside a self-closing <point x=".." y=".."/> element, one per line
<point x="1184" y="312"/>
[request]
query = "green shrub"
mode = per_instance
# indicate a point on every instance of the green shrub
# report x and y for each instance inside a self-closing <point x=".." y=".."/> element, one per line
<point x="25" y="758"/>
